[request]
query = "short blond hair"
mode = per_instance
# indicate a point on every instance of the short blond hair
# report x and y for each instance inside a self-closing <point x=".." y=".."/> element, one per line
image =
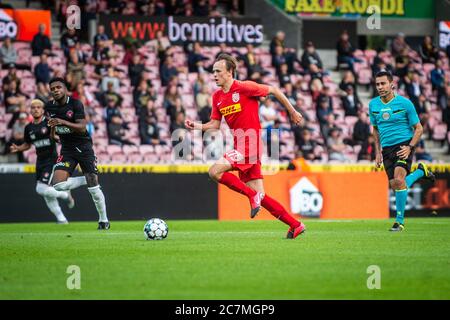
<point x="38" y="102"/>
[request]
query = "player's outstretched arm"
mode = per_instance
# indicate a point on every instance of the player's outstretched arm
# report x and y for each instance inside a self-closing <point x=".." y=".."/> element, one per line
<point x="296" y="117"/>
<point x="19" y="148"/>
<point x="194" y="125"/>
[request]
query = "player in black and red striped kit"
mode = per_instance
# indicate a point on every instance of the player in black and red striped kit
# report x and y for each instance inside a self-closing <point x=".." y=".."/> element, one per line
<point x="68" y="121"/>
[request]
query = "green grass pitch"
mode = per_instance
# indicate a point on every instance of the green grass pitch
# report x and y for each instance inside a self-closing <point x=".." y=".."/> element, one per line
<point x="227" y="260"/>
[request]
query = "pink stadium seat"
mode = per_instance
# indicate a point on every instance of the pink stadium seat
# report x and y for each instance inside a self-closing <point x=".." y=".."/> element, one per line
<point x="440" y="132"/>
<point x="365" y="76"/>
<point x="114" y="149"/>
<point x="135" y="158"/>
<point x="146" y="149"/>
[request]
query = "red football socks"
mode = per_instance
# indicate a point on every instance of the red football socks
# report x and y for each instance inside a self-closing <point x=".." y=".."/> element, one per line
<point x="235" y="184"/>
<point x="277" y="210"/>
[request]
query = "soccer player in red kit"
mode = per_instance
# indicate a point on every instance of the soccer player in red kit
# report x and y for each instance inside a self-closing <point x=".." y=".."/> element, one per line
<point x="237" y="102"/>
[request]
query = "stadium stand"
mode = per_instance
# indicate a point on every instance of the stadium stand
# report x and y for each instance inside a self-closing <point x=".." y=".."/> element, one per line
<point x="90" y="70"/>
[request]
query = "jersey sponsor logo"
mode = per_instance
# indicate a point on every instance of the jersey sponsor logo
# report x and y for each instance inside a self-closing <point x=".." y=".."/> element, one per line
<point x="62" y="130"/>
<point x="63" y="164"/>
<point x="69" y="114"/>
<point x="231" y="109"/>
<point x="386" y="115"/>
<point x="42" y="143"/>
<point x="32" y="136"/>
<point x="306" y="198"/>
<point x="235" y="97"/>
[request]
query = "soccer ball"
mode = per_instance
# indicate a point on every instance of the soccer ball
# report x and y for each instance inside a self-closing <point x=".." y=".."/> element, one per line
<point x="155" y="229"/>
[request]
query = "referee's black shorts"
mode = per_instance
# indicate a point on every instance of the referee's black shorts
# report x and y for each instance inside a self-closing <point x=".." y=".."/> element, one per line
<point x="391" y="160"/>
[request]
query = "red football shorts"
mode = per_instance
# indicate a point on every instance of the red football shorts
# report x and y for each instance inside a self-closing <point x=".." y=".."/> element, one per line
<point x="248" y="170"/>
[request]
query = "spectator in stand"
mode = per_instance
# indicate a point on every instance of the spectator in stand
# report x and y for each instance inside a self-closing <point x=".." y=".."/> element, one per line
<point x="201" y="8"/>
<point x="329" y="125"/>
<point x="174" y="7"/>
<point x="167" y="71"/>
<point x="336" y="146"/>
<point x="428" y="52"/>
<point x="12" y="75"/>
<point x="249" y="59"/>
<point x="8" y="54"/>
<point x="402" y="62"/>
<point x="90" y="125"/>
<point x="82" y="56"/>
<point x="142" y="94"/>
<point x="315" y="87"/>
<point x="310" y="56"/>
<point x="130" y="44"/>
<point x="110" y="77"/>
<point x="423" y="108"/>
<point x="172" y="102"/>
<point x="43" y="92"/>
<point x="414" y="89"/>
<point x="101" y="37"/>
<point x="41" y="43"/>
<point x="149" y="133"/>
<point x="289" y="92"/>
<point x="278" y="58"/>
<point x="162" y="44"/>
<point x="257" y="72"/>
<point x="112" y="109"/>
<point x="69" y="39"/>
<point x="135" y="70"/>
<point x="116" y="132"/>
<point x="308" y="147"/>
<point x="439" y="84"/>
<point x="315" y="73"/>
<point x="42" y="71"/>
<point x="379" y="64"/>
<point x="267" y="114"/>
<point x="348" y="80"/>
<point x="178" y="122"/>
<point x="323" y="109"/>
<point x="421" y="153"/>
<point x="196" y="59"/>
<point x="361" y="129"/>
<point x="14" y="99"/>
<point x="75" y="70"/>
<point x="101" y="67"/>
<point x="325" y="95"/>
<point x="188" y="45"/>
<point x="18" y="134"/>
<point x="277" y="41"/>
<point x="350" y="102"/>
<point x="110" y="94"/>
<point x="345" y="51"/>
<point x="85" y="97"/>
<point x="399" y="45"/>
<point x="202" y="98"/>
<point x="283" y="76"/>
<point x="367" y="151"/>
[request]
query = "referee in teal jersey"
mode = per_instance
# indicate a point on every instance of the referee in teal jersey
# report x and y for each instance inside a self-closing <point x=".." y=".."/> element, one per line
<point x="397" y="131"/>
